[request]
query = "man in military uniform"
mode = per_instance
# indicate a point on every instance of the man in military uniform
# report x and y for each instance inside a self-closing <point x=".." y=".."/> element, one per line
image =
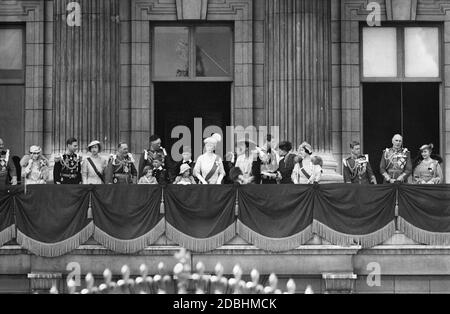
<point x="357" y="168"/>
<point x="153" y="152"/>
<point x="8" y="173"/>
<point x="121" y="168"/>
<point x="396" y="163"/>
<point x="67" y="169"/>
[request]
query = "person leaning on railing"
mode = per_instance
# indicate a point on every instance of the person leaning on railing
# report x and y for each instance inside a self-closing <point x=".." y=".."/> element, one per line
<point x="427" y="170"/>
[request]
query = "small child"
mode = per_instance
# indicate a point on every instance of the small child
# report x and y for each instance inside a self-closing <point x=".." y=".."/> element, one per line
<point x="185" y="177"/>
<point x="148" y="177"/>
<point x="317" y="169"/>
<point x="159" y="171"/>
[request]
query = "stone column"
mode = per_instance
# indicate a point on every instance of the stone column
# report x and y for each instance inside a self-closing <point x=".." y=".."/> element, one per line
<point x="86" y="74"/>
<point x="298" y="75"/>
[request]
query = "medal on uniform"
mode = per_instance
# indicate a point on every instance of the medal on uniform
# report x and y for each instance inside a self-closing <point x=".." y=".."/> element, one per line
<point x="115" y="180"/>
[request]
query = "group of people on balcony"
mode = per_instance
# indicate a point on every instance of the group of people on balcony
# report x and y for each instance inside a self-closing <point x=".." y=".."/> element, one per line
<point x="269" y="164"/>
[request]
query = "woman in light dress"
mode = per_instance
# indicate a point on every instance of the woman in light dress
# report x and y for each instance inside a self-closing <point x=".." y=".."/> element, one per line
<point x="245" y="162"/>
<point x="209" y="167"/>
<point x="309" y="169"/>
<point x="35" y="167"/>
<point x="93" y="167"/>
<point x="427" y="170"/>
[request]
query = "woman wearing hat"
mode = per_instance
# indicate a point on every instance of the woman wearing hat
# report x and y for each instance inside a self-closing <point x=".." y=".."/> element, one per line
<point x="209" y="167"/>
<point x="308" y="170"/>
<point x="245" y="162"/>
<point x="35" y="167"/>
<point x="93" y="167"/>
<point x="427" y="169"/>
<point x="185" y="177"/>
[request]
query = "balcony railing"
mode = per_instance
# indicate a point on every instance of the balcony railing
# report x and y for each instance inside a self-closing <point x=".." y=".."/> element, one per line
<point x="53" y="220"/>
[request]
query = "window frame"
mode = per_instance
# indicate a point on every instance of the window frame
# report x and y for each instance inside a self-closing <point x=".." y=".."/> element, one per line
<point x="14" y="76"/>
<point x="401" y="54"/>
<point x="192" y="53"/>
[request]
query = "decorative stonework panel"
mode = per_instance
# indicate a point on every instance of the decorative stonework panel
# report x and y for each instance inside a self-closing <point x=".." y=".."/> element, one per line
<point x="192" y="9"/>
<point x="401" y="10"/>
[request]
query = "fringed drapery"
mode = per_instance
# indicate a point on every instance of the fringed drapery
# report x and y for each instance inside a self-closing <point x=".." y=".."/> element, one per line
<point x="424" y="213"/>
<point x="275" y="219"/>
<point x="7" y="227"/>
<point x="58" y="248"/>
<point x="127" y="220"/>
<point x="347" y="214"/>
<point x="52" y="220"/>
<point x="200" y="218"/>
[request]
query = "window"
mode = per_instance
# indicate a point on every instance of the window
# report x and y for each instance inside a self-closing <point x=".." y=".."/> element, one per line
<point x="421" y="52"/>
<point x="11" y="53"/>
<point x="380" y="52"/>
<point x="172" y="51"/>
<point x="401" y="53"/>
<point x="192" y="53"/>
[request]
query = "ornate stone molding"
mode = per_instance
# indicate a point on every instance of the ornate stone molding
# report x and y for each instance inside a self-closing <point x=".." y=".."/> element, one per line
<point x="436" y="10"/>
<point x="401" y="10"/>
<point x="192" y="9"/>
<point x="225" y="10"/>
<point x="21" y="11"/>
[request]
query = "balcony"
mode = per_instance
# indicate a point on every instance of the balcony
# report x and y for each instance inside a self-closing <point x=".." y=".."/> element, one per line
<point x="309" y="233"/>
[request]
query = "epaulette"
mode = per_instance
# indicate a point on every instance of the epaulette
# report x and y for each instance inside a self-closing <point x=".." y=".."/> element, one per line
<point x="7" y="156"/>
<point x="344" y="161"/>
<point x="131" y="157"/>
<point x="145" y="154"/>
<point x="58" y="158"/>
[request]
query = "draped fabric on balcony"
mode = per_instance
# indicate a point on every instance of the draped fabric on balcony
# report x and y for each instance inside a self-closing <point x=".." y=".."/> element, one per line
<point x="7" y="228"/>
<point x="127" y="220"/>
<point x="52" y="221"/>
<point x="200" y="218"/>
<point x="425" y="213"/>
<point x="275" y="219"/>
<point x="347" y="214"/>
